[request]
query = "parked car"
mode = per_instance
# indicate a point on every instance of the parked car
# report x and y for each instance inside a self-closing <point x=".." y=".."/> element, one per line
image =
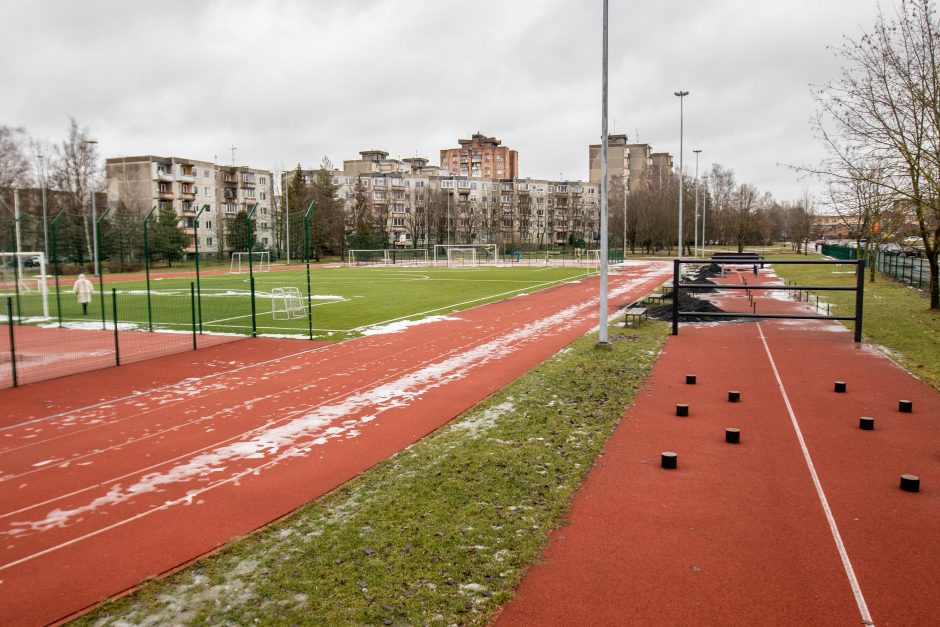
<point x="890" y="247"/>
<point x="31" y="262"/>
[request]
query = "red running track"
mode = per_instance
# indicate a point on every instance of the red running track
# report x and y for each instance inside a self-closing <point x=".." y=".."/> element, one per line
<point x="738" y="534"/>
<point x="96" y="499"/>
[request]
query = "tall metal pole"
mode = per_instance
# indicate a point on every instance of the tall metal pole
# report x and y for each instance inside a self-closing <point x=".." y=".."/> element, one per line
<point x="682" y="95"/>
<point x="704" y="209"/>
<point x="196" y="242"/>
<point x="308" y="223"/>
<point x="98" y="264"/>
<point x="602" y="326"/>
<point x="18" y="261"/>
<point x="45" y="212"/>
<point x="626" y="183"/>
<point x="251" y="271"/>
<point x="695" y="239"/>
<point x="287" y="218"/>
<point x="147" y="266"/>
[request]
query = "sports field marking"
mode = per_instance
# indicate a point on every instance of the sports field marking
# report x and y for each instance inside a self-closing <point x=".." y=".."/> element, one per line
<point x="408" y="384"/>
<point x="833" y="528"/>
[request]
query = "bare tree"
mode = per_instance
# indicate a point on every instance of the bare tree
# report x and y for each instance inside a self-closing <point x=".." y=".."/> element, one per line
<point x="76" y="173"/>
<point x="885" y="109"/>
<point x="14" y="164"/>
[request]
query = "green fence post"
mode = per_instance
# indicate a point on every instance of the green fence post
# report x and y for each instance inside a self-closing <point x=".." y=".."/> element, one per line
<point x="98" y="262"/>
<point x="251" y="272"/>
<point x="147" y="265"/>
<point x="192" y="305"/>
<point x="920" y="276"/>
<point x="55" y="260"/>
<point x="16" y="272"/>
<point x="198" y="285"/>
<point x="12" y="344"/>
<point x="308" y="224"/>
<point x="117" y="345"/>
<point x="859" y="297"/>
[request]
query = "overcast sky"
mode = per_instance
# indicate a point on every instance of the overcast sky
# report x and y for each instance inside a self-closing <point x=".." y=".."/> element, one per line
<point x="292" y="81"/>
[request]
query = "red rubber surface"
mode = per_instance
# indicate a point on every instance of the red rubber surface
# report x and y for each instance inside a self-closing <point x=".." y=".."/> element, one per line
<point x="737" y="534"/>
<point x="95" y="500"/>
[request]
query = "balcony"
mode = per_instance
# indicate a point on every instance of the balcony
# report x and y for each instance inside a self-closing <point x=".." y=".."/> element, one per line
<point x="166" y="177"/>
<point x="188" y="195"/>
<point x="165" y="195"/>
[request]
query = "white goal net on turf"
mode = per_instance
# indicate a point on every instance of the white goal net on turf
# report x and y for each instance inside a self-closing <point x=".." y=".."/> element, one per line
<point x="457" y="255"/>
<point x="593" y="257"/>
<point x="260" y="261"/>
<point x="287" y="304"/>
<point x="25" y="273"/>
<point x="387" y="257"/>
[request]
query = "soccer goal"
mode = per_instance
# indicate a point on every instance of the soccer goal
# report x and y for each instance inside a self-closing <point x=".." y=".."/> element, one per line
<point x="592" y="257"/>
<point x="287" y="304"/>
<point x="388" y="257"/>
<point x="457" y="255"/>
<point x="260" y="261"/>
<point x="25" y="273"/>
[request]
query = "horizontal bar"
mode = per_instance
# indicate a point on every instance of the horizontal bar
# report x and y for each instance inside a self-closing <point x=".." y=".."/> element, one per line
<point x="763" y="262"/>
<point x="770" y="286"/>
<point x="728" y="314"/>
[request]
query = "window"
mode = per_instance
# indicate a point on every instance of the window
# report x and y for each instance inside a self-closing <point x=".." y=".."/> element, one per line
<point x="398" y="208"/>
<point x="206" y="191"/>
<point x="506" y="187"/>
<point x="264" y="195"/>
<point x="447" y="184"/>
<point x="208" y="208"/>
<point x="205" y="174"/>
<point x="350" y="180"/>
<point x="208" y="241"/>
<point x="463" y="184"/>
<point x="264" y="226"/>
<point x="498" y="172"/>
<point x="398" y="222"/>
<point x="505" y="198"/>
<point x="419" y="184"/>
<point x="229" y="207"/>
<point x="335" y="180"/>
<point x="364" y="182"/>
<point x="163" y="187"/>
<point x="380" y="182"/>
<point x="249" y="192"/>
<point x="473" y="185"/>
<point x="248" y="177"/>
<point x="263" y="180"/>
<point x="264" y="240"/>
<point x="264" y="211"/>
<point x="562" y="188"/>
<point x="397" y="182"/>
<point x="209" y="225"/>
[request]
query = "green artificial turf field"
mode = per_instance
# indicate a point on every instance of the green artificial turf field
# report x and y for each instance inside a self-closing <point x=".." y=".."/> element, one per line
<point x="344" y="300"/>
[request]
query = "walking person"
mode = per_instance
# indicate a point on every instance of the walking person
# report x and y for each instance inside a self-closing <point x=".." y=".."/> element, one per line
<point x="83" y="290"/>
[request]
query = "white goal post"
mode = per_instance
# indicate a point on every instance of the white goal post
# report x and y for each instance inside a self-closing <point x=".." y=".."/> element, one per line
<point x="260" y="260"/>
<point x="29" y="270"/>
<point x="287" y="304"/>
<point x="593" y="257"/>
<point x="466" y="254"/>
<point x="387" y="256"/>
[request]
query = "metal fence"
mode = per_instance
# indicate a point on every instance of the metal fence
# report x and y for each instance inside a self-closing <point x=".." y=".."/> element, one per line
<point x="908" y="269"/>
<point x="72" y="310"/>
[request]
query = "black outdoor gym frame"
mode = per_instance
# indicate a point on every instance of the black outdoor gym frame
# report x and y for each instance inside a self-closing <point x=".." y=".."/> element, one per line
<point x="858" y="288"/>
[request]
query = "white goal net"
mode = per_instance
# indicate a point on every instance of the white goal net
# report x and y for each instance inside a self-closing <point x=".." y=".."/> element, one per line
<point x="23" y="275"/>
<point x="260" y="261"/>
<point x="387" y="257"/>
<point x="287" y="304"/>
<point x="592" y="257"/>
<point x="457" y="255"/>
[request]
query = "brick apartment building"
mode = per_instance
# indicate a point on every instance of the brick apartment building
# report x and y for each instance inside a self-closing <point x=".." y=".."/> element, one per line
<point x="481" y="157"/>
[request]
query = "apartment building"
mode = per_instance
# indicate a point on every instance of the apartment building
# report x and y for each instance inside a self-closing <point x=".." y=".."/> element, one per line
<point x="411" y="193"/>
<point x="628" y="162"/>
<point x="135" y="184"/>
<point x="481" y="157"/>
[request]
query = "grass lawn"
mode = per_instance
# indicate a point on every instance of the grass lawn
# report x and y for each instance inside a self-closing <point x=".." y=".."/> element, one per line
<point x="896" y="317"/>
<point x="344" y="300"/>
<point x="439" y="534"/>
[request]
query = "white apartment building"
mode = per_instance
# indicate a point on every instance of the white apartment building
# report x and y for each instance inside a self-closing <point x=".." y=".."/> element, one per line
<point x="136" y="184"/>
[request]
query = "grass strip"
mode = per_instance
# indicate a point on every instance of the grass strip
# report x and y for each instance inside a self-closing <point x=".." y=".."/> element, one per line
<point x="440" y="534"/>
<point x="896" y="318"/>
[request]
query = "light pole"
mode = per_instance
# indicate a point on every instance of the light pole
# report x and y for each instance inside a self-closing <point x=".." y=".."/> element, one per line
<point x="682" y="95"/>
<point x="94" y="213"/>
<point x="695" y="239"/>
<point x="602" y="340"/>
<point x="45" y="215"/>
<point x="704" y="208"/>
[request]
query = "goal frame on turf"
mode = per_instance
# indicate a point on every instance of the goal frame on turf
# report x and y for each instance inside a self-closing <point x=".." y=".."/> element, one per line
<point x="442" y="252"/>
<point x="593" y="257"/>
<point x="17" y="265"/>
<point x="287" y="304"/>
<point x="387" y="256"/>
<point x="239" y="261"/>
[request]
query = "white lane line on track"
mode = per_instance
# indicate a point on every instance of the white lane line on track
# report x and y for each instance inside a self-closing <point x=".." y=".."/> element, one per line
<point x="836" y="536"/>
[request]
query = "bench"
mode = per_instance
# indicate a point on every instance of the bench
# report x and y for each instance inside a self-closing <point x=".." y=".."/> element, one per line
<point x="751" y="259"/>
<point x="655" y="298"/>
<point x="635" y="313"/>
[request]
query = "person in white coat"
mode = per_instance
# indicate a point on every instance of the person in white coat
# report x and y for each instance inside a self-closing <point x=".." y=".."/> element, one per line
<point x="83" y="290"/>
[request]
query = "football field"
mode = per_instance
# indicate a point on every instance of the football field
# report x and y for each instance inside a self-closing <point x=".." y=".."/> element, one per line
<point x="344" y="302"/>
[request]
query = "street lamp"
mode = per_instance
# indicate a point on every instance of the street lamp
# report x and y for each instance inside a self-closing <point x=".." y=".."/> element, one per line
<point x="682" y="95"/>
<point x="602" y="340"/>
<point x="695" y="239"/>
<point x="704" y="208"/>
<point x="94" y="214"/>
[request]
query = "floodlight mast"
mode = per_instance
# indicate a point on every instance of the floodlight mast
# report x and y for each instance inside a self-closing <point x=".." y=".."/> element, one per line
<point x="602" y="339"/>
<point x="682" y="95"/>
